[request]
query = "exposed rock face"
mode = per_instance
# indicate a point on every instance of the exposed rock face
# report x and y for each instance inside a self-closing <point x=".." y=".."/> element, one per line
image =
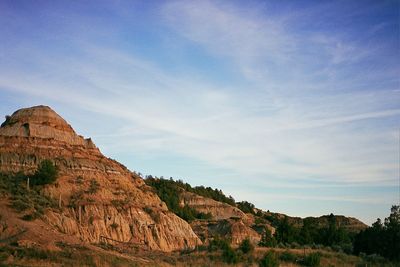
<point x="350" y="224"/>
<point x="234" y="229"/>
<point x="42" y="122"/>
<point x="100" y="198"/>
<point x="218" y="210"/>
<point x="132" y="225"/>
<point x="228" y="221"/>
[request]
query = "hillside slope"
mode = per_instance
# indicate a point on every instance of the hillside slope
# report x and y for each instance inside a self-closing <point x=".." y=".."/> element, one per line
<point x="99" y="199"/>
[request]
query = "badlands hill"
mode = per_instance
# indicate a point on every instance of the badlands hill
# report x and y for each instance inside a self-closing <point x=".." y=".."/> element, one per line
<point x="116" y="210"/>
<point x="96" y="200"/>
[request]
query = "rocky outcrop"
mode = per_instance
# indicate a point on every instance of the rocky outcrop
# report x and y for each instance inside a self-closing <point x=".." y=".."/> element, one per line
<point x="131" y="225"/>
<point x="100" y="199"/>
<point x="349" y="224"/>
<point x="227" y="221"/>
<point x="234" y="230"/>
<point x="42" y="122"/>
<point x="218" y="210"/>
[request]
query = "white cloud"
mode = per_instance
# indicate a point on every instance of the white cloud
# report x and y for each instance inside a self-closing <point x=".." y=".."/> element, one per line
<point x="294" y="120"/>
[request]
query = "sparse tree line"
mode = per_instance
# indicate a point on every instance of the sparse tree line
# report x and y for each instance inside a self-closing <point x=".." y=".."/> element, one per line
<point x="382" y="238"/>
<point x="310" y="233"/>
<point x="208" y="192"/>
<point x="169" y="192"/>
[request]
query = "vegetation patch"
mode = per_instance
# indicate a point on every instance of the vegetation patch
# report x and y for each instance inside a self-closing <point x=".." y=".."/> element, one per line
<point x="270" y="259"/>
<point x="169" y="191"/>
<point x="312" y="259"/>
<point x="76" y="198"/>
<point x="114" y="225"/>
<point x="246" y="246"/>
<point x="382" y="238"/>
<point x="31" y="201"/>
<point x="246" y="207"/>
<point x="208" y="192"/>
<point x="93" y="187"/>
<point x="70" y="255"/>
<point x="288" y="257"/>
<point x="45" y="174"/>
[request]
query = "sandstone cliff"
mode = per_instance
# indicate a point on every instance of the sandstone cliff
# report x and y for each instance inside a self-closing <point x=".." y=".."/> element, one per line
<point x="100" y="199"/>
<point x="218" y="210"/>
<point x="228" y="221"/>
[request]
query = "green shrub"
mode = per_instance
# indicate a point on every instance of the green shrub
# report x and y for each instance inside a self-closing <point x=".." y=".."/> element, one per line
<point x="3" y="257"/>
<point x="269" y="260"/>
<point x="75" y="198"/>
<point x="246" y="246"/>
<point x="7" y="121"/>
<point x="204" y="216"/>
<point x="347" y="248"/>
<point x="375" y="259"/>
<point x="337" y="248"/>
<point x="281" y="245"/>
<point x="93" y="187"/>
<point x="288" y="257"/>
<point x="31" y="216"/>
<point x="294" y="245"/>
<point x="34" y="253"/>
<point x="217" y="244"/>
<point x="45" y="174"/>
<point x="312" y="259"/>
<point x="79" y="180"/>
<point x="229" y="255"/>
<point x="246" y="207"/>
<point x="20" y="204"/>
<point x="153" y="214"/>
<point x="69" y="255"/>
<point x="148" y="210"/>
<point x="22" y="199"/>
<point x="267" y="240"/>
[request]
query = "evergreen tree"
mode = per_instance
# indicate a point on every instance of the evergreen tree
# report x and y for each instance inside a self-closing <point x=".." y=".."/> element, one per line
<point x="45" y="174"/>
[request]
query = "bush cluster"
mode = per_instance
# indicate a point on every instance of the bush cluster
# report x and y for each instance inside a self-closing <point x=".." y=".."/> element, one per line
<point x="32" y="202"/>
<point x="208" y="192"/>
<point x="382" y="238"/>
<point x="246" y="207"/>
<point x="169" y="191"/>
<point x="270" y="259"/>
<point x="311" y="232"/>
<point x="45" y="174"/>
<point x="246" y="246"/>
<point x="312" y="259"/>
<point x="93" y="187"/>
<point x="230" y="255"/>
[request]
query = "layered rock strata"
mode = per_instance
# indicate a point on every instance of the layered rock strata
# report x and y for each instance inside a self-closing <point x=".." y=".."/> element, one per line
<point x="100" y="199"/>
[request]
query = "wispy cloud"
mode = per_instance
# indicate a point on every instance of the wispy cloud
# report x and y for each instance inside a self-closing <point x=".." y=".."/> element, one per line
<point x="312" y="105"/>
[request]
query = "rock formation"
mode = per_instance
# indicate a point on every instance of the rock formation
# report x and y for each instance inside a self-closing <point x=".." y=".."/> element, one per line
<point x="228" y="221"/>
<point x="218" y="210"/>
<point x="100" y="199"/>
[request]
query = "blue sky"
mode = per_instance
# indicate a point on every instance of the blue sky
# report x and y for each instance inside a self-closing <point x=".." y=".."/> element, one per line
<point x="293" y="106"/>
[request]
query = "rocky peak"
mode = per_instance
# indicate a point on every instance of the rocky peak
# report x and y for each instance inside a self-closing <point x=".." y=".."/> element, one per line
<point x="41" y="122"/>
